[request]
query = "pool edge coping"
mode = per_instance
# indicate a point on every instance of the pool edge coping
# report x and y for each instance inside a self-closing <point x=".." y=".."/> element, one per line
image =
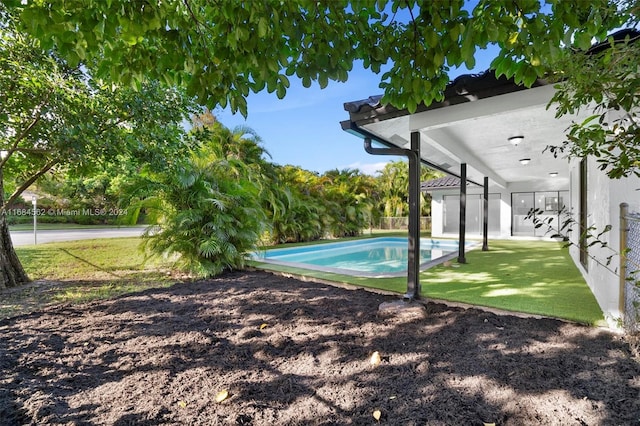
<point x="470" y="245"/>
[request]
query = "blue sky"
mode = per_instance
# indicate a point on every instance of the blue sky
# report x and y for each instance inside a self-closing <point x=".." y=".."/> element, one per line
<point x="303" y="129"/>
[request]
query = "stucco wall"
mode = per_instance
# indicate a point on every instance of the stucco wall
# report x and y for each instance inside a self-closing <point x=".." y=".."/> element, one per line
<point x="604" y="196"/>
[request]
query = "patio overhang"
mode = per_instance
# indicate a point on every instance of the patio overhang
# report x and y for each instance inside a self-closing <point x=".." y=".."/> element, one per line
<point x="473" y="123"/>
<point x="472" y="126"/>
<point x="468" y="136"/>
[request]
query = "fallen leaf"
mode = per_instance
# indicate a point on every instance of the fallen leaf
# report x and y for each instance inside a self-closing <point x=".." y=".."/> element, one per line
<point x="375" y="359"/>
<point x="263" y="325"/>
<point x="222" y="395"/>
<point x="182" y="404"/>
<point x="377" y="414"/>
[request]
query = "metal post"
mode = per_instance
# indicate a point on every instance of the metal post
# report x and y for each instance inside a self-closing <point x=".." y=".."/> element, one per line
<point x="463" y="213"/>
<point x="413" y="154"/>
<point x="413" y="261"/>
<point x="485" y="219"/>
<point x="34" y="200"/>
<point x="624" y="231"/>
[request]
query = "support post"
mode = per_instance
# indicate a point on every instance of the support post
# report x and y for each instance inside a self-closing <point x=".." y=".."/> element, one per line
<point x="624" y="231"/>
<point x="34" y="201"/>
<point x="485" y="216"/>
<point x="463" y="213"/>
<point x="413" y="261"/>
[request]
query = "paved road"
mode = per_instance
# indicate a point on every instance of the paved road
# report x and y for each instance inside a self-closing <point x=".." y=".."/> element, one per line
<point x="22" y="238"/>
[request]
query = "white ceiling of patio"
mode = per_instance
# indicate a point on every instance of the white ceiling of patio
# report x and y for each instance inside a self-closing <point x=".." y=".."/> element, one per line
<point x="477" y="132"/>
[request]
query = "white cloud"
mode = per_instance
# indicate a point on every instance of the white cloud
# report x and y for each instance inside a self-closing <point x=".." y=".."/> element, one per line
<point x="366" y="168"/>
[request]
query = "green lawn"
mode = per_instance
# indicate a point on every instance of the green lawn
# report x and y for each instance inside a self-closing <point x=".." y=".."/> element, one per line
<point x="536" y="277"/>
<point x="99" y="259"/>
<point x="523" y="276"/>
<point x="81" y="271"/>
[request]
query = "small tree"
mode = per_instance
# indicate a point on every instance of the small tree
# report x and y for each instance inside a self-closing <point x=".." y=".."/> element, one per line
<point x="348" y="198"/>
<point x="392" y="183"/>
<point x="55" y="118"/>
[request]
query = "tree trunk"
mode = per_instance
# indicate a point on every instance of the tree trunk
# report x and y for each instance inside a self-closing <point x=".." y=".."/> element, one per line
<point x="11" y="271"/>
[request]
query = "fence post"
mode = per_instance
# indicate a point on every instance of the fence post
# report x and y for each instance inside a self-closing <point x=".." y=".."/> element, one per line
<point x="624" y="231"/>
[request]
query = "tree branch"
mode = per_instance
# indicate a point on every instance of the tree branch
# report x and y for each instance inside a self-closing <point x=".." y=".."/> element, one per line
<point x="30" y="126"/>
<point x="27" y="183"/>
<point x="33" y="150"/>
<point x="23" y="134"/>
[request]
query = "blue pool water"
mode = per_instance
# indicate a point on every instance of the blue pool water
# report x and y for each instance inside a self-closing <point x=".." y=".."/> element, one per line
<point x="375" y="257"/>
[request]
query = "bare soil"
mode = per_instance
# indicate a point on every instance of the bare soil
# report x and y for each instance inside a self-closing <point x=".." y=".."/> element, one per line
<point x="295" y="353"/>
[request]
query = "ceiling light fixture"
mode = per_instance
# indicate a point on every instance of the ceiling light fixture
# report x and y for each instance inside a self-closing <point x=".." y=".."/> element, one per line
<point x="553" y="174"/>
<point x="515" y="140"/>
<point x="525" y="161"/>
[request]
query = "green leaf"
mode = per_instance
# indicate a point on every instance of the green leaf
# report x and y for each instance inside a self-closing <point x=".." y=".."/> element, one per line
<point x="263" y="26"/>
<point x="530" y="76"/>
<point x="323" y="80"/>
<point x="589" y="119"/>
<point x="582" y="40"/>
<point x="284" y="81"/>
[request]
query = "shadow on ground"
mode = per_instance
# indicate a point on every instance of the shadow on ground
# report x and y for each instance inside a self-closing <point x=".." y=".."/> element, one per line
<point x="290" y="352"/>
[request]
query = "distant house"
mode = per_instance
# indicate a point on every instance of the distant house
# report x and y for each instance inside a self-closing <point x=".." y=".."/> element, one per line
<point x="492" y="130"/>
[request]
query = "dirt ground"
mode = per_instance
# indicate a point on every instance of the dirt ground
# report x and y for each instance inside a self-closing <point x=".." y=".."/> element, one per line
<point x="294" y="353"/>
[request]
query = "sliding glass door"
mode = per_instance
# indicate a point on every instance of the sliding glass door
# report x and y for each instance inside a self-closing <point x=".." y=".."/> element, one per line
<point x="548" y="205"/>
<point x="521" y="204"/>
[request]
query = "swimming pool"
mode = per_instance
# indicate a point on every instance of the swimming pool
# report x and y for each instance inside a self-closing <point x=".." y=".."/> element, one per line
<point x="373" y="257"/>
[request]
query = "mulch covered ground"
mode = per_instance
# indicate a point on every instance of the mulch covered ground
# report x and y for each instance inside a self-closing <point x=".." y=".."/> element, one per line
<point x="294" y="353"/>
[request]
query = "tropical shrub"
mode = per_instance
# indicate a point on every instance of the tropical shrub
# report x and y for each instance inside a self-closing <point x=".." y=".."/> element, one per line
<point x="207" y="209"/>
<point x="295" y="209"/>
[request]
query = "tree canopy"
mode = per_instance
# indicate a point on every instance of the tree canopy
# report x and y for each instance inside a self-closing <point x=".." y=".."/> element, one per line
<point x="54" y="116"/>
<point x="222" y="51"/>
<point x="57" y="116"/>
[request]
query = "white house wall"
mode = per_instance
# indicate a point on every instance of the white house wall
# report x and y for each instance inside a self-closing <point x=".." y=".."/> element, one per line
<point x="604" y="196"/>
<point x="437" y="214"/>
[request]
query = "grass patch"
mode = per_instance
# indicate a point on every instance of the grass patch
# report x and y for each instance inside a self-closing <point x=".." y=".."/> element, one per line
<point x="98" y="259"/>
<point x="535" y="277"/>
<point x="82" y="271"/>
<point x="522" y="276"/>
